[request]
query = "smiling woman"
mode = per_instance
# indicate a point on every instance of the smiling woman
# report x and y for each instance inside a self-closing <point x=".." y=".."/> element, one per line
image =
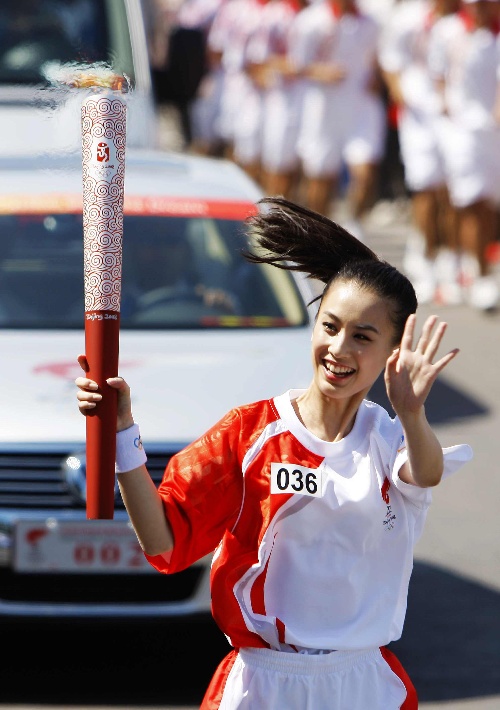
<point x="312" y="499"/>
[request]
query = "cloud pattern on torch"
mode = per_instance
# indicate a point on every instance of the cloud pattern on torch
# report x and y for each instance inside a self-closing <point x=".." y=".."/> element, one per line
<point x="103" y="169"/>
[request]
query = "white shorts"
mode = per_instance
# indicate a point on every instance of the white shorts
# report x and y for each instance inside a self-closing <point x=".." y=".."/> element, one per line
<point x="281" y="124"/>
<point x="337" y="129"/>
<point x="248" y="127"/>
<point x="233" y="92"/>
<point x="472" y="163"/>
<point x="257" y="678"/>
<point x="421" y="152"/>
<point x="366" y="142"/>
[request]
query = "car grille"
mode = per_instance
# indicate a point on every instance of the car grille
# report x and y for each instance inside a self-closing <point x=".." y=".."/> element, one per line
<point x="92" y="589"/>
<point x="37" y="480"/>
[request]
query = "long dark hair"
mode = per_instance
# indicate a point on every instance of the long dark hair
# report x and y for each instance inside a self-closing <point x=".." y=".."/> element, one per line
<point x="294" y="238"/>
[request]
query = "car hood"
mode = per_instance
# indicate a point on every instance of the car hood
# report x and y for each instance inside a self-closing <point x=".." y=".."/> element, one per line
<point x="182" y="382"/>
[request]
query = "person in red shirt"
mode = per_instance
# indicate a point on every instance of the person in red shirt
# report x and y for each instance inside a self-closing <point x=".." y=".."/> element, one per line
<point x="312" y="501"/>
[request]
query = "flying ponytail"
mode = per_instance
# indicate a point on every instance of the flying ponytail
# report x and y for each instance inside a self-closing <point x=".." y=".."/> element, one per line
<point x="294" y="238"/>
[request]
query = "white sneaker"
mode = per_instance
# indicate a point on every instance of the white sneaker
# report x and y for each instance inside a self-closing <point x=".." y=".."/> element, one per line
<point x="384" y="213"/>
<point x="447" y="273"/>
<point x="484" y="293"/>
<point x="414" y="261"/>
<point x="449" y="294"/>
<point x="469" y="269"/>
<point x="447" y="266"/>
<point x="425" y="291"/>
<point x="424" y="281"/>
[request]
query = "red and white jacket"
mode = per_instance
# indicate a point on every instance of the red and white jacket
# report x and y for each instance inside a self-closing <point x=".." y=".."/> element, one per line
<point x="313" y="540"/>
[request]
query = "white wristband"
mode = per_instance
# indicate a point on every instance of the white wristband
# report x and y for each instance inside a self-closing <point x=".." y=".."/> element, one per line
<point x="130" y="452"/>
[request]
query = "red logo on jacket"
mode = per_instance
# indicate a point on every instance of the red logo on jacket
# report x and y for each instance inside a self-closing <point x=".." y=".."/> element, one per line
<point x="385" y="490"/>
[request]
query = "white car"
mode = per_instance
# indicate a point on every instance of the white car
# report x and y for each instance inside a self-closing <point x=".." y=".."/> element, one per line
<point x="39" y="39"/>
<point x="188" y="359"/>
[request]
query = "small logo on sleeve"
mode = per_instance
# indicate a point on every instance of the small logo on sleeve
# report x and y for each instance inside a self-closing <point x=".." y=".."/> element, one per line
<point x="389" y="519"/>
<point x="298" y="480"/>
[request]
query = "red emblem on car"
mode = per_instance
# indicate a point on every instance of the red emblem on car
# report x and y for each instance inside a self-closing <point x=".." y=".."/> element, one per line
<point x="32" y="536"/>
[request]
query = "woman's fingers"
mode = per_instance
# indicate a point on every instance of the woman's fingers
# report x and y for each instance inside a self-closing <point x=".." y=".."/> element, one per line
<point x="86" y="395"/>
<point x="429" y="340"/>
<point x="407" y="339"/>
<point x="88" y="400"/>
<point x="392" y="360"/>
<point x="85" y="383"/>
<point x="435" y="341"/>
<point x="426" y="334"/>
<point x="440" y="364"/>
<point x="83" y="362"/>
<point x="117" y="383"/>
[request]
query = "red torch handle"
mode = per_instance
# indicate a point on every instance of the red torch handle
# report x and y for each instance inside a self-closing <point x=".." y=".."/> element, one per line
<point x="101" y="349"/>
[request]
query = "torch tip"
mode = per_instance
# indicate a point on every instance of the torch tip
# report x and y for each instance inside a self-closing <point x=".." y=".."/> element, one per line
<point x="88" y="76"/>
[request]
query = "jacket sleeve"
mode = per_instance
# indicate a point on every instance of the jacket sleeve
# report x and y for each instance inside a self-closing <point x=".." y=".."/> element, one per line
<point x="454" y="457"/>
<point x="202" y="491"/>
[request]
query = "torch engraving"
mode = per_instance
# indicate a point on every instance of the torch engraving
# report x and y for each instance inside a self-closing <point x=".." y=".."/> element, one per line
<point x="103" y="166"/>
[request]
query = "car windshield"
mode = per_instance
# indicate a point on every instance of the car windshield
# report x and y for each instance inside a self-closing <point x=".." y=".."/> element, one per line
<point x="33" y="33"/>
<point x="177" y="272"/>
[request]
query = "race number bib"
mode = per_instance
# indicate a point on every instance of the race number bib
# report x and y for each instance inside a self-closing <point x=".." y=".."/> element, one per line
<point x="290" y="478"/>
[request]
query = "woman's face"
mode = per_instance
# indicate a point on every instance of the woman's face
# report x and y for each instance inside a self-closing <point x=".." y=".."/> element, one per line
<point x="352" y="338"/>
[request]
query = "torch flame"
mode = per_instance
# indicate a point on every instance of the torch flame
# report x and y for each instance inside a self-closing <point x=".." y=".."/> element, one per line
<point x="86" y="76"/>
<point x="86" y="80"/>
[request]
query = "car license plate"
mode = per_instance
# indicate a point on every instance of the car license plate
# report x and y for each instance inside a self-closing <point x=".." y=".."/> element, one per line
<point x="77" y="547"/>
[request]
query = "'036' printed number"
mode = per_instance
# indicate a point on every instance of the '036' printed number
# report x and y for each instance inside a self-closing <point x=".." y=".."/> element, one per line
<point x="290" y="478"/>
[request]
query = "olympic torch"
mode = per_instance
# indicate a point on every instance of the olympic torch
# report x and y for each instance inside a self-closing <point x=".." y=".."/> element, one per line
<point x="103" y="121"/>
